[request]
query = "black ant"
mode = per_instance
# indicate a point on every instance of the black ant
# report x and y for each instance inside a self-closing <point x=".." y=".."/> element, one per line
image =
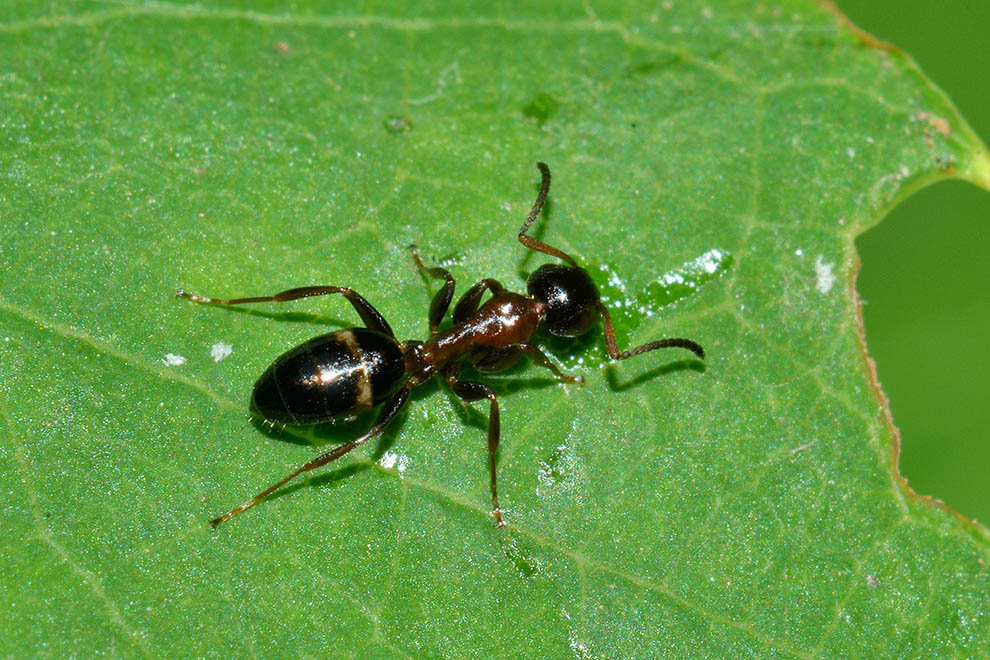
<point x="349" y="371"/>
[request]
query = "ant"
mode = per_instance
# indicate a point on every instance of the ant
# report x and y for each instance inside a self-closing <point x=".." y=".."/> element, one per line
<point x="348" y="371"/>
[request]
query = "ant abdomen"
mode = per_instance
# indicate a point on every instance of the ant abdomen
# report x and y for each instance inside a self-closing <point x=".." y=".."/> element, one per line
<point x="330" y="377"/>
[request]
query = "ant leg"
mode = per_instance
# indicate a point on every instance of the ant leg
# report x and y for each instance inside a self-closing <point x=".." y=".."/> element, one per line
<point x="615" y="354"/>
<point x="388" y="414"/>
<point x="468" y="304"/>
<point x="500" y="359"/>
<point x="441" y="301"/>
<point x="472" y="391"/>
<point x="540" y="358"/>
<point x="371" y="317"/>
<point x="529" y="241"/>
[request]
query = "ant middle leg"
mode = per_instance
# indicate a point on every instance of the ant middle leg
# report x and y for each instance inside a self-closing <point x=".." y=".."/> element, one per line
<point x="371" y="317"/>
<point x="441" y="301"/>
<point x="473" y="391"/>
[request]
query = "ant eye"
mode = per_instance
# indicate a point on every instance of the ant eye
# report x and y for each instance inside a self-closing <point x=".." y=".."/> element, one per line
<point x="569" y="297"/>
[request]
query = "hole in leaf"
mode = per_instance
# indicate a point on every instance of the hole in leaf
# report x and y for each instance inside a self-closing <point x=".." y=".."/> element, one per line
<point x="924" y="281"/>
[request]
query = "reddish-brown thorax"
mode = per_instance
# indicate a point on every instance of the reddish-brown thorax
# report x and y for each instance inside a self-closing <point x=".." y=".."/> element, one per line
<point x="504" y="319"/>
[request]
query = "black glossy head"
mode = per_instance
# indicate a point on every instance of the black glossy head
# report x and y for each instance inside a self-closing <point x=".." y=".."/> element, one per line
<point x="569" y="297"/>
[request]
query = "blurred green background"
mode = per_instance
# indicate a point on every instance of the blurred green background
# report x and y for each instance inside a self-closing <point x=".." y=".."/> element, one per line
<point x="926" y="271"/>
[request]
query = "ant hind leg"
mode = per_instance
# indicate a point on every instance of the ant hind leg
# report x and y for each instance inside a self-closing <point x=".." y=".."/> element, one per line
<point x="388" y="414"/>
<point x="371" y="316"/>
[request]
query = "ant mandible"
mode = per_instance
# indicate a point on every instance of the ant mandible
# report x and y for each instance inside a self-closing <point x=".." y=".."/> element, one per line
<point x="349" y="371"/>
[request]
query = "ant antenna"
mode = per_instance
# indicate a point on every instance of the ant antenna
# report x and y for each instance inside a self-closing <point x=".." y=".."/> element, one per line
<point x="531" y="242"/>
<point x="616" y="354"/>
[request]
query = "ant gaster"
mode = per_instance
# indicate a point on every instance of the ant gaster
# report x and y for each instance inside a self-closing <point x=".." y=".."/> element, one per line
<point x="349" y="371"/>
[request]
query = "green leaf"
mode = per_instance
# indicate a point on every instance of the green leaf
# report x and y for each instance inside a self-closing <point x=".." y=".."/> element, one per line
<point x="712" y="166"/>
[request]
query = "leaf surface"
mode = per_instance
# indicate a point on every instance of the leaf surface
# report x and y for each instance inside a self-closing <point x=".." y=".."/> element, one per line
<point x="712" y="167"/>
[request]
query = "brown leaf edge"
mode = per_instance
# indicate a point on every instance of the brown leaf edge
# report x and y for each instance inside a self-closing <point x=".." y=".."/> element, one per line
<point x="978" y="176"/>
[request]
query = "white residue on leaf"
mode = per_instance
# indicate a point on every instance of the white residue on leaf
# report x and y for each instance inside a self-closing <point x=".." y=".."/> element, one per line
<point x="562" y="474"/>
<point x="710" y="261"/>
<point x="577" y="647"/>
<point x="554" y="473"/>
<point x="173" y="360"/>
<point x="220" y="350"/>
<point x="391" y="460"/>
<point x="824" y="277"/>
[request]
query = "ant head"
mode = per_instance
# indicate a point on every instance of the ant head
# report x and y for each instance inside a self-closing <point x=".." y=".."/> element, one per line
<point x="570" y="299"/>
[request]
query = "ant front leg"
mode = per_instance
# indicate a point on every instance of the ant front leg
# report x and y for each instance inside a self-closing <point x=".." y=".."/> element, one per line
<point x="371" y="317"/>
<point x="540" y="358"/>
<point x="468" y="304"/>
<point x="503" y="358"/>
<point x="472" y="391"/>
<point x="441" y="301"/>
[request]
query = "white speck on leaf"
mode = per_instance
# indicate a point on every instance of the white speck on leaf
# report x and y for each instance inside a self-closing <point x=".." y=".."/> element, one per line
<point x="391" y="460"/>
<point x="578" y="648"/>
<point x="711" y="260"/>
<point x="173" y="360"/>
<point x="824" y="277"/>
<point x="220" y="350"/>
